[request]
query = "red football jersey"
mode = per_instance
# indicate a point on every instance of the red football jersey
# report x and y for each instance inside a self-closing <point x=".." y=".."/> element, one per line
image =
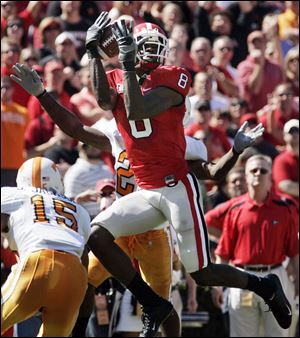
<point x="155" y="146"/>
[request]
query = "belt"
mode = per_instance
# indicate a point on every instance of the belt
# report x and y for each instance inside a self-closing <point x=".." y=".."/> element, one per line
<point x="259" y="268"/>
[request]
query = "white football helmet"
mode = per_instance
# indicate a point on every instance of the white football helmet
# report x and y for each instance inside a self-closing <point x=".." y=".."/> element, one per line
<point x="148" y="34"/>
<point x="40" y="172"/>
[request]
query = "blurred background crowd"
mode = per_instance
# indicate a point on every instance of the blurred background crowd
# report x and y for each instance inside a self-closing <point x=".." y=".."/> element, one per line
<point x="244" y="60"/>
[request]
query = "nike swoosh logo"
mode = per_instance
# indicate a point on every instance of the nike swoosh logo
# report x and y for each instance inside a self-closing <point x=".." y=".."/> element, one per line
<point x="290" y="311"/>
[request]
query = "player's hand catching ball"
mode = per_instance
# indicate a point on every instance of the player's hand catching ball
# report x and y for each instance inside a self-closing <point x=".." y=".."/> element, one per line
<point x="127" y="46"/>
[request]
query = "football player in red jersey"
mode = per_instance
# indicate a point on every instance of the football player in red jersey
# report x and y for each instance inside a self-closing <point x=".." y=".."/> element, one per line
<point x="147" y="100"/>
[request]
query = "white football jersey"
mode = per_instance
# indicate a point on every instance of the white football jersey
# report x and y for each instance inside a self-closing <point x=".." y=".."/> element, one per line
<point x="41" y="219"/>
<point x="125" y="182"/>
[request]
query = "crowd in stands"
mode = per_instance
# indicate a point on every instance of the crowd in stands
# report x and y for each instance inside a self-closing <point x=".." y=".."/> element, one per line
<point x="244" y="60"/>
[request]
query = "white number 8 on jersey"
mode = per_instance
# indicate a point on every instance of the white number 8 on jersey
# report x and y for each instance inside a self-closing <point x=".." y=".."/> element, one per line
<point x="183" y="80"/>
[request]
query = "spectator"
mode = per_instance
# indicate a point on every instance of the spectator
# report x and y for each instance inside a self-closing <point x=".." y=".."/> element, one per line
<point x="201" y="24"/>
<point x="277" y="113"/>
<point x="201" y="54"/>
<point x="54" y="78"/>
<point x="226" y="75"/>
<point x="180" y="33"/>
<point x="29" y="56"/>
<point x="175" y="56"/>
<point x="235" y="186"/>
<point x="14" y="120"/>
<point x="63" y="153"/>
<point x="214" y="138"/>
<point x="65" y="46"/>
<point x="232" y="186"/>
<point x="249" y="224"/>
<point x="9" y="8"/>
<point x="270" y="29"/>
<point x="286" y="164"/>
<point x="260" y="146"/>
<point x="291" y="69"/>
<point x="247" y="17"/>
<point x="88" y="9"/>
<point x="171" y="15"/>
<point x="49" y="29"/>
<point x="129" y="8"/>
<point x="258" y="76"/>
<point x="10" y="53"/>
<point x="15" y="31"/>
<point x="289" y="22"/>
<point x="83" y="175"/>
<point x="74" y="23"/>
<point x="203" y="90"/>
<point x="238" y="107"/>
<point x="85" y="102"/>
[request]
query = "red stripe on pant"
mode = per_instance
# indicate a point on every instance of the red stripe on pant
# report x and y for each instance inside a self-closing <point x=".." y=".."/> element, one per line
<point x="190" y="193"/>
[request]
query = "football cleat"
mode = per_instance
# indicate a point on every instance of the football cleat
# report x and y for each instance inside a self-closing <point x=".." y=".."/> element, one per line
<point x="154" y="316"/>
<point x="278" y="303"/>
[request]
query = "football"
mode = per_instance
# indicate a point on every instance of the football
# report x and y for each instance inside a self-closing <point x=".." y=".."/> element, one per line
<point x="108" y="46"/>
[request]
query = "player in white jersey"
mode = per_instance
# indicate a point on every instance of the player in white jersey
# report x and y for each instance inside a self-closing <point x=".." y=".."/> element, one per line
<point x="49" y="232"/>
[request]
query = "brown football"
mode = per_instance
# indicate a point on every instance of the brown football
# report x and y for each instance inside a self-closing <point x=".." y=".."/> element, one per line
<point x="108" y="45"/>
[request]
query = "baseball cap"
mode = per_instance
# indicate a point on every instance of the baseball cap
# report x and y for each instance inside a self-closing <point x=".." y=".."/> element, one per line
<point x="53" y="65"/>
<point x="250" y="117"/>
<point x="255" y="35"/>
<point x="101" y="184"/>
<point x="289" y="125"/>
<point x="62" y="37"/>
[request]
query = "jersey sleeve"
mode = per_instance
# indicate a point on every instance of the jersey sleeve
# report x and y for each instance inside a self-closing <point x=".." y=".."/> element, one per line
<point x="11" y="199"/>
<point x="195" y="149"/>
<point x="84" y="228"/>
<point x="176" y="78"/>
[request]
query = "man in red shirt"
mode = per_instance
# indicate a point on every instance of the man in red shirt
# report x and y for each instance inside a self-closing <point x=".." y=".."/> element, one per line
<point x="274" y="116"/>
<point x="149" y="115"/>
<point x="258" y="77"/>
<point x="259" y="233"/>
<point x="286" y="164"/>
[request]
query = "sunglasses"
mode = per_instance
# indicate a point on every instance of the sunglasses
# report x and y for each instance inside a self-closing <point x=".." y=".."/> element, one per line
<point x="11" y="25"/>
<point x="263" y="171"/>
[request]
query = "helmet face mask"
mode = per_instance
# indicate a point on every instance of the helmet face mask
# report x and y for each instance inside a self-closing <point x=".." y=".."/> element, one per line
<point x="152" y="43"/>
<point x="40" y="172"/>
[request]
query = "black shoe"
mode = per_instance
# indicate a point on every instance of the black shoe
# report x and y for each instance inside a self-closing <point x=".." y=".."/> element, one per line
<point x="278" y="303"/>
<point x="153" y="316"/>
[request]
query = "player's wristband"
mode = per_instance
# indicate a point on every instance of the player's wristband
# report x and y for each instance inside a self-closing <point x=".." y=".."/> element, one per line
<point x="93" y="53"/>
<point x="235" y="152"/>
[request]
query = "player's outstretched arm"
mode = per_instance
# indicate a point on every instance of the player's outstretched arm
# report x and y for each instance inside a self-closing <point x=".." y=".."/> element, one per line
<point x="98" y="77"/>
<point x="217" y="171"/>
<point x="65" y="119"/>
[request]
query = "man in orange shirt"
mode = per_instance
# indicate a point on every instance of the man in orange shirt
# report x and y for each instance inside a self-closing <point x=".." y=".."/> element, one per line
<point x="14" y="120"/>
